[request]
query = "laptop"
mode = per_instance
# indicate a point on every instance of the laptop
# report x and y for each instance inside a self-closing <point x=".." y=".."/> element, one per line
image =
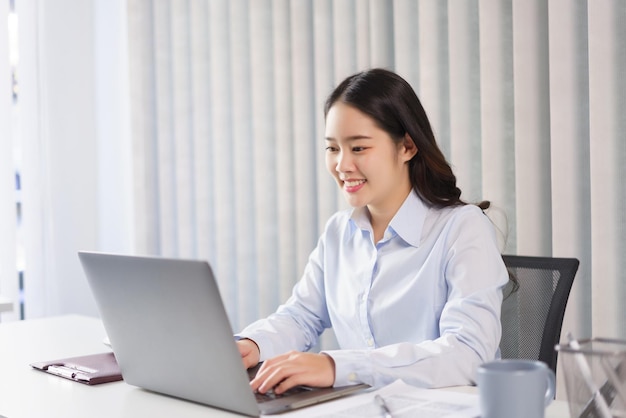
<point x="170" y="333"/>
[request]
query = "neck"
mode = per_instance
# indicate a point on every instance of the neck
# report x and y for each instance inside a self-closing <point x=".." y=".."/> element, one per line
<point x="380" y="217"/>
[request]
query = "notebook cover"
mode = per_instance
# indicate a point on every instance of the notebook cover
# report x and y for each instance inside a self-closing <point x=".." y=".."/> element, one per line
<point x="92" y="369"/>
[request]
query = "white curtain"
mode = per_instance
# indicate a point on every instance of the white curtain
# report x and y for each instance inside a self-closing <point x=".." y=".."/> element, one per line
<point x="527" y="98"/>
<point x="70" y="123"/>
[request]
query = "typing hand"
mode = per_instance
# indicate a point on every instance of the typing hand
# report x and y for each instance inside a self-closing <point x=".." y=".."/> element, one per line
<point x="249" y="351"/>
<point x="295" y="368"/>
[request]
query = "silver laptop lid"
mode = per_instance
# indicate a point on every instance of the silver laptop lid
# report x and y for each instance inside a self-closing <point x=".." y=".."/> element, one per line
<point x="169" y="329"/>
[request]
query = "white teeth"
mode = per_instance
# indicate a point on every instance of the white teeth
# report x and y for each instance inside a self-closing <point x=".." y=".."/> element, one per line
<point x="354" y="183"/>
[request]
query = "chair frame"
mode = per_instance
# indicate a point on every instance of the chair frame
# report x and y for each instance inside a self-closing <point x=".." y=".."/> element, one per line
<point x="554" y="319"/>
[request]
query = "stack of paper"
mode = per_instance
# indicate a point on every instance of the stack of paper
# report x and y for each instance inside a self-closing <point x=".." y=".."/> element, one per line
<point x="402" y="400"/>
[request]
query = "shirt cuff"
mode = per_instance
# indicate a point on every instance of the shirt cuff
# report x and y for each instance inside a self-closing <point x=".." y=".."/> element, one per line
<point x="264" y="344"/>
<point x="351" y="367"/>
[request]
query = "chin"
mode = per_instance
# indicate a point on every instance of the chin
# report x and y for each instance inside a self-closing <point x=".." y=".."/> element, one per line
<point x="354" y="203"/>
<point x="355" y="206"/>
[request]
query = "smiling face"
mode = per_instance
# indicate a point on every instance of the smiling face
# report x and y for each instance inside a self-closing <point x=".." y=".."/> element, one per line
<point x="369" y="166"/>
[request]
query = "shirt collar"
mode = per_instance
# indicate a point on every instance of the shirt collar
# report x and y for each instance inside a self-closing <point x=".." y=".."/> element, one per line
<point x="408" y="222"/>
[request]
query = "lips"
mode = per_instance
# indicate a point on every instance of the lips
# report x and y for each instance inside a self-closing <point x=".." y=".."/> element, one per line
<point x="352" y="186"/>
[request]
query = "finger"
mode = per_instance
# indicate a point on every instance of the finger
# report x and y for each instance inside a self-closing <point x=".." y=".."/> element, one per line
<point x="293" y="368"/>
<point x="272" y="378"/>
<point x="255" y="383"/>
<point x="309" y="369"/>
<point x="289" y="383"/>
<point x="284" y="377"/>
<point x="259" y="379"/>
<point x="267" y="369"/>
<point x="273" y="373"/>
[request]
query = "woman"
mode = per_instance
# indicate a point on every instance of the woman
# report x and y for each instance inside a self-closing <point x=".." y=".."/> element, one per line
<point x="410" y="279"/>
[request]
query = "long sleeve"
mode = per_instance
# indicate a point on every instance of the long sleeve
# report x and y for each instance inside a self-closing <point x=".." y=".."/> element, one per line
<point x="297" y="324"/>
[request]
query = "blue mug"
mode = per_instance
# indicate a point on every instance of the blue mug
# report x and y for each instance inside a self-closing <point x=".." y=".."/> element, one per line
<point x="515" y="388"/>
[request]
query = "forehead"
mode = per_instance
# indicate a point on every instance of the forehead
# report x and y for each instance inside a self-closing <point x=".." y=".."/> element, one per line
<point x="344" y="121"/>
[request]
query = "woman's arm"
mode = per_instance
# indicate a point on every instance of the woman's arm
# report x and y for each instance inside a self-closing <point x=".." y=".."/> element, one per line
<point x="298" y="323"/>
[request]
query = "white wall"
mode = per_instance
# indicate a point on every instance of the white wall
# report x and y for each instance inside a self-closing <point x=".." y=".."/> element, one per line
<point x="8" y="274"/>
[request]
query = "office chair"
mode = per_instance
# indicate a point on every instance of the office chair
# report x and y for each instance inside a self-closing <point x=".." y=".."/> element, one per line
<point x="532" y="314"/>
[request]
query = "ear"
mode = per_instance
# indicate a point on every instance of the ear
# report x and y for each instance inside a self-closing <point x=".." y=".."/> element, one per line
<point x="409" y="149"/>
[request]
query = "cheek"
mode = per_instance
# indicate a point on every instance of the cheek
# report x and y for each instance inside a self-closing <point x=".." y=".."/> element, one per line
<point x="331" y="164"/>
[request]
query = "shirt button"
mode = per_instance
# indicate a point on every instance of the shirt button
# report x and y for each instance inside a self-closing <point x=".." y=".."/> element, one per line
<point x="352" y="377"/>
<point x="370" y="342"/>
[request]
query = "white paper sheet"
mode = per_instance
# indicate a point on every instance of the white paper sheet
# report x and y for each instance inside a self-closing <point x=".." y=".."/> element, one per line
<point x="402" y="399"/>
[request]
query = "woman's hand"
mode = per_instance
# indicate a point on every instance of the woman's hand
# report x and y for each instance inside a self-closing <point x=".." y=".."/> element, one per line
<point x="283" y="372"/>
<point x="250" y="353"/>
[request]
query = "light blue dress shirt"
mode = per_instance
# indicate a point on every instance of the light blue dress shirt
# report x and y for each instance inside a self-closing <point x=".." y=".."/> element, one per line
<point x="423" y="304"/>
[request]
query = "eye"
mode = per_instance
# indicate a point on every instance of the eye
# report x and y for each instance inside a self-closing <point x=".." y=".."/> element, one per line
<point x="331" y="148"/>
<point x="358" y="149"/>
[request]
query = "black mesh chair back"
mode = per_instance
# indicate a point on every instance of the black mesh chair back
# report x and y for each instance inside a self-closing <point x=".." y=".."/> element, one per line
<point x="532" y="314"/>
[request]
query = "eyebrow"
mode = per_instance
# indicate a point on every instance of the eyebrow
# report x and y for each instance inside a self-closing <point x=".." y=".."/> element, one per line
<point x="350" y="138"/>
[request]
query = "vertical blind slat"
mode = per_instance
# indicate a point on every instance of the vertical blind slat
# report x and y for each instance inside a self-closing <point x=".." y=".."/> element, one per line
<point x="362" y="37"/>
<point x="242" y="183"/>
<point x="345" y="31"/>
<point x="330" y="197"/>
<point x="201" y="127"/>
<point x="166" y="166"/>
<point x="305" y="143"/>
<point x="288" y="271"/>
<point x="143" y="126"/>
<point x="406" y="41"/>
<point x="532" y="126"/>
<point x="381" y="34"/>
<point x="434" y="85"/>
<point x="465" y="134"/>
<point x="607" y="108"/>
<point x="569" y="142"/>
<point x="497" y="123"/>
<point x="182" y="114"/>
<point x="263" y="130"/>
<point x="222" y="158"/>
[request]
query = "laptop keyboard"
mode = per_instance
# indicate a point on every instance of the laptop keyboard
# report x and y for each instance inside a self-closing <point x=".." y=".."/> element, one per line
<point x="270" y="395"/>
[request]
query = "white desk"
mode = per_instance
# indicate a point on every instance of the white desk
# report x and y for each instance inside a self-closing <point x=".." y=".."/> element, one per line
<point x="27" y="393"/>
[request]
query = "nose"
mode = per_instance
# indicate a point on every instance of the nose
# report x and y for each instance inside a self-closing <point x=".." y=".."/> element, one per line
<point x="344" y="162"/>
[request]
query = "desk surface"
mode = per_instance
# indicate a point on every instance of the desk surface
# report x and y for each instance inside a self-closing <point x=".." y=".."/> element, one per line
<point x="26" y="393"/>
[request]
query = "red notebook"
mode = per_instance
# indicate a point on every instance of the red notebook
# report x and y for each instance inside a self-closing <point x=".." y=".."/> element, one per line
<point x="92" y="369"/>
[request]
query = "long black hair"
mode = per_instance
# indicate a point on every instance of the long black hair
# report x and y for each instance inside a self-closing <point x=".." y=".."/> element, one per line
<point x="392" y="103"/>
